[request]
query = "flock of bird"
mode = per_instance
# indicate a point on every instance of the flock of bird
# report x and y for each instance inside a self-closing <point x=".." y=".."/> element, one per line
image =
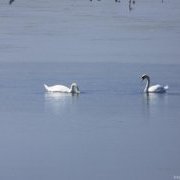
<point x="130" y="1"/>
<point x="74" y="89"/>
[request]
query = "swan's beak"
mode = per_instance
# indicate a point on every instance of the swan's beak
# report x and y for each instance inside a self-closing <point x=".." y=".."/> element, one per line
<point x="142" y="79"/>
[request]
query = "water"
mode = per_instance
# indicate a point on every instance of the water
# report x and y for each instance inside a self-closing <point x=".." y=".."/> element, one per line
<point x="84" y="31"/>
<point x="112" y="130"/>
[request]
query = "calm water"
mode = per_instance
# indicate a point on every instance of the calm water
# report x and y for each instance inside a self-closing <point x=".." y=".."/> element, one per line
<point x="111" y="131"/>
<point x="84" y="31"/>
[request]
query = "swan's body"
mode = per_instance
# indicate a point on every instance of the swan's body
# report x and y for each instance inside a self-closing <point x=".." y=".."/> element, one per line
<point x="60" y="88"/>
<point x="155" y="88"/>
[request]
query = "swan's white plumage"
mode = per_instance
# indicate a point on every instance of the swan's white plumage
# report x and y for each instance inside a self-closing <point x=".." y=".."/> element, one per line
<point x="57" y="88"/>
<point x="61" y="88"/>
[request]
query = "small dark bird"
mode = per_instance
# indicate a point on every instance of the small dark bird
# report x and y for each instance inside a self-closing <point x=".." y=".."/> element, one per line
<point x="11" y="1"/>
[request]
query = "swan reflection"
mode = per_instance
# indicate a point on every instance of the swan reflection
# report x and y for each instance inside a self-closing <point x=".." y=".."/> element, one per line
<point x="155" y="104"/>
<point x="155" y="99"/>
<point x="59" y="102"/>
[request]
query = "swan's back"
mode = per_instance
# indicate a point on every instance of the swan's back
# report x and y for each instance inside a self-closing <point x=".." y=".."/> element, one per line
<point x="57" y="88"/>
<point x="158" y="88"/>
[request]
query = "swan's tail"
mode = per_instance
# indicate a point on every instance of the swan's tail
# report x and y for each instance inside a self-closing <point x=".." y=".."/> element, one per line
<point x="166" y="87"/>
<point x="46" y="87"/>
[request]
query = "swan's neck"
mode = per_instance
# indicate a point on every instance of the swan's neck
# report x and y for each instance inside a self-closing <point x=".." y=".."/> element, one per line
<point x="73" y="89"/>
<point x="147" y="85"/>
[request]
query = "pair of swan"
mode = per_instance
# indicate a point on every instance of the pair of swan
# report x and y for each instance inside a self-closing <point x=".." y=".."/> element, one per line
<point x="75" y="89"/>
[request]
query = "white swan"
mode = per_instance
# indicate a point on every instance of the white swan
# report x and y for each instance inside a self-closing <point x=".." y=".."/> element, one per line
<point x="60" y="88"/>
<point x="155" y="88"/>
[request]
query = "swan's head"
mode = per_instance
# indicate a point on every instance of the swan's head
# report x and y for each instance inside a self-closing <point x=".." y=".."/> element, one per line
<point x="75" y="88"/>
<point x="145" y="76"/>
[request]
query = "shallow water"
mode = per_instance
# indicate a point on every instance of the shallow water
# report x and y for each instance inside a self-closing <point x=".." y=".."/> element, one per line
<point x="110" y="131"/>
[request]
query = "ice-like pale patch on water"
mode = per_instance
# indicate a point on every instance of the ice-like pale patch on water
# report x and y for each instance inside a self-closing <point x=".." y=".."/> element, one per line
<point x="84" y="31"/>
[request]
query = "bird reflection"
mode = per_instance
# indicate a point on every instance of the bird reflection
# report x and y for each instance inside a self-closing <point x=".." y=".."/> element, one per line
<point x="154" y="98"/>
<point x="59" y="102"/>
<point x="154" y="103"/>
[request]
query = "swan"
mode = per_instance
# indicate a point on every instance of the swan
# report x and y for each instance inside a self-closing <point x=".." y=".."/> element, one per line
<point x="60" y="88"/>
<point x="155" y="88"/>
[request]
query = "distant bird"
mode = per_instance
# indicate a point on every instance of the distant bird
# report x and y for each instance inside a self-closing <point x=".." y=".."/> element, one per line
<point x="131" y="2"/>
<point x="63" y="89"/>
<point x="11" y="1"/>
<point x="155" y="88"/>
<point x="130" y="5"/>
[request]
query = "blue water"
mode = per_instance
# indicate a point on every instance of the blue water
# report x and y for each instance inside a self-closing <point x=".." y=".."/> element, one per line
<point x="112" y="130"/>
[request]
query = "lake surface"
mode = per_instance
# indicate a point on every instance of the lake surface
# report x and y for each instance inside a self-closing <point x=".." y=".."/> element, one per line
<point x="84" y="31"/>
<point x="112" y="130"/>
